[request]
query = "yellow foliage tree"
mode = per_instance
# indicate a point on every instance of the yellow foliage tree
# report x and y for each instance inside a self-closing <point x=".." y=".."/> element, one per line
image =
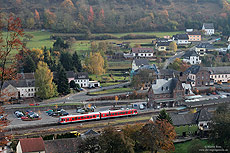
<point x="37" y="54"/>
<point x="44" y="81"/>
<point x="173" y="46"/>
<point x="95" y="63"/>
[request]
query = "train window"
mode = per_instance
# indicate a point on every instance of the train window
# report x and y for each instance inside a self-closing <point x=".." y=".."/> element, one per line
<point x="135" y="111"/>
<point x="115" y="113"/>
<point x="67" y="119"/>
<point x="84" y="116"/>
<point x="62" y="119"/>
<point x="94" y="116"/>
<point x="87" y="116"/>
<point x="103" y="115"/>
<point x="97" y="115"/>
<point x="90" y="116"/>
<point x="112" y="113"/>
<point x="107" y="114"/>
<point x="72" y="118"/>
<point x="81" y="117"/>
<point x="75" y="118"/>
<point x="118" y="113"/>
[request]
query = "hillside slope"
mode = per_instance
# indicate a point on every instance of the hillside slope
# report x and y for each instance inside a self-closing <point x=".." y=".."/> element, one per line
<point x="85" y="16"/>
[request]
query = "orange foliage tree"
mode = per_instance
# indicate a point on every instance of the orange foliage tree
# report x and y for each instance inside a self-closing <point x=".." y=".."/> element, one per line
<point x="91" y="14"/>
<point x="158" y="135"/>
<point x="9" y="44"/>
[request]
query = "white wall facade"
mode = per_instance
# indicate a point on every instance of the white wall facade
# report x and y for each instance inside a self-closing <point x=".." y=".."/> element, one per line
<point x="209" y="31"/>
<point x="193" y="60"/>
<point x="182" y="42"/>
<point x="82" y="82"/>
<point x="192" y="77"/>
<point x="144" y="55"/>
<point x="220" y="77"/>
<point x="27" y="92"/>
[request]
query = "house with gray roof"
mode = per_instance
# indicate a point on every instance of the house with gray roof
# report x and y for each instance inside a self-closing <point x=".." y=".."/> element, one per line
<point x="162" y="46"/>
<point x="208" y="28"/>
<point x="165" y="93"/>
<point x="143" y="52"/>
<point x="137" y="63"/>
<point x="219" y="74"/>
<point x="191" y="57"/>
<point x="202" y="48"/>
<point x="181" y="39"/>
<point x="198" y="76"/>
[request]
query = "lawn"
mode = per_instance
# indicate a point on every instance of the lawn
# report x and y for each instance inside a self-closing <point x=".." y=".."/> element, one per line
<point x="181" y="129"/>
<point x="183" y="147"/>
<point x="110" y="91"/>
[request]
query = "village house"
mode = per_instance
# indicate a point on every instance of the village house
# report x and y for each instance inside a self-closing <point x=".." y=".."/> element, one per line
<point x="219" y="74"/>
<point x="202" y="48"/>
<point x="194" y="36"/>
<point x="165" y="93"/>
<point x="33" y="145"/>
<point x="208" y="28"/>
<point x="142" y="52"/>
<point x="162" y="46"/>
<point x="198" y="76"/>
<point x="181" y="39"/>
<point x="191" y="57"/>
<point x="137" y="63"/>
<point x="82" y="78"/>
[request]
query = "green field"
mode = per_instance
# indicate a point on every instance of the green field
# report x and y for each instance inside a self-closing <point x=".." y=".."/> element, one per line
<point x="187" y="129"/>
<point x="110" y="91"/>
<point x="183" y="147"/>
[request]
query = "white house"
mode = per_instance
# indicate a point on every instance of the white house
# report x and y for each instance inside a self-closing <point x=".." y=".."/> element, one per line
<point x="191" y="57"/>
<point x="220" y="74"/>
<point x="137" y="63"/>
<point x="35" y="145"/>
<point x="208" y="28"/>
<point x="82" y="78"/>
<point x="142" y="52"/>
<point x="181" y="39"/>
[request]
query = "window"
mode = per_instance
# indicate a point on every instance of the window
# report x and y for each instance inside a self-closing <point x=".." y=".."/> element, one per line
<point x="93" y="116"/>
<point x="103" y="115"/>
<point x="75" y="118"/>
<point x="112" y="113"/>
<point x="87" y="116"/>
<point x="28" y="89"/>
<point x="97" y="115"/>
<point x="79" y="118"/>
<point x="107" y="114"/>
<point x="115" y="113"/>
<point x="82" y="117"/>
<point x="72" y="119"/>
<point x="67" y="119"/>
<point x="90" y="116"/>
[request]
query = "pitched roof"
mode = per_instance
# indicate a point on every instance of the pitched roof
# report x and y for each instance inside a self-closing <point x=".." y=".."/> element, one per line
<point x="183" y="119"/>
<point x="194" y="33"/>
<point x="208" y="25"/>
<point x="203" y="115"/>
<point x="70" y="74"/>
<point x="163" y="43"/>
<point x="180" y="36"/>
<point x="194" y="69"/>
<point x="25" y="76"/>
<point x="189" y="53"/>
<point x="219" y="70"/>
<point x="140" y="62"/>
<point x="142" y="50"/>
<point x="81" y="75"/>
<point x="205" y="45"/>
<point x="168" y="72"/>
<point x="68" y="145"/>
<point x="162" y="86"/>
<point x="91" y="132"/>
<point x="21" y="83"/>
<point x="32" y="144"/>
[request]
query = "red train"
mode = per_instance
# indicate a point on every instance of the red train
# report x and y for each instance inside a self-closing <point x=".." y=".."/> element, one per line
<point x="96" y="116"/>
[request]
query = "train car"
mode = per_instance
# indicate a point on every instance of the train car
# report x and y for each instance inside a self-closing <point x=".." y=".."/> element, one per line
<point x="79" y="118"/>
<point x="118" y="113"/>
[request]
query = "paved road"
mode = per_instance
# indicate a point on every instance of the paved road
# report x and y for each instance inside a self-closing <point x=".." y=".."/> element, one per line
<point x="171" y="59"/>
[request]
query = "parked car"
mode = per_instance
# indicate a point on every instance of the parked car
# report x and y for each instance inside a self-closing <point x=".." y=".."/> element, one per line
<point x="80" y="110"/>
<point x="19" y="114"/>
<point x="63" y="113"/>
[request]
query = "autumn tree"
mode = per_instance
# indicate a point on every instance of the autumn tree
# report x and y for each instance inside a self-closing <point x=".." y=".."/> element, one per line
<point x="9" y="44"/>
<point x="95" y="63"/>
<point x="112" y="141"/>
<point x="91" y="14"/>
<point x="89" y="145"/>
<point x="173" y="46"/>
<point x="43" y="81"/>
<point x="157" y="136"/>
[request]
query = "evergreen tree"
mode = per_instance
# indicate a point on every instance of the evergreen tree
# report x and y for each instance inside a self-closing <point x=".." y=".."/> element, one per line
<point x="29" y="65"/>
<point x="77" y="62"/>
<point x="62" y="82"/>
<point x="46" y="54"/>
<point x="60" y="44"/>
<point x="164" y="116"/>
<point x="66" y="61"/>
<point x="72" y="84"/>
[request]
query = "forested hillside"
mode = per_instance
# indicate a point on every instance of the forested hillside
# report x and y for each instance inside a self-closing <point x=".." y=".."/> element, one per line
<point x="95" y="16"/>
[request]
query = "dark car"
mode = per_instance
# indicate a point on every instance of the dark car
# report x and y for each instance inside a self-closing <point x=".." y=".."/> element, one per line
<point x="63" y="113"/>
<point x="217" y="93"/>
<point x="208" y="94"/>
